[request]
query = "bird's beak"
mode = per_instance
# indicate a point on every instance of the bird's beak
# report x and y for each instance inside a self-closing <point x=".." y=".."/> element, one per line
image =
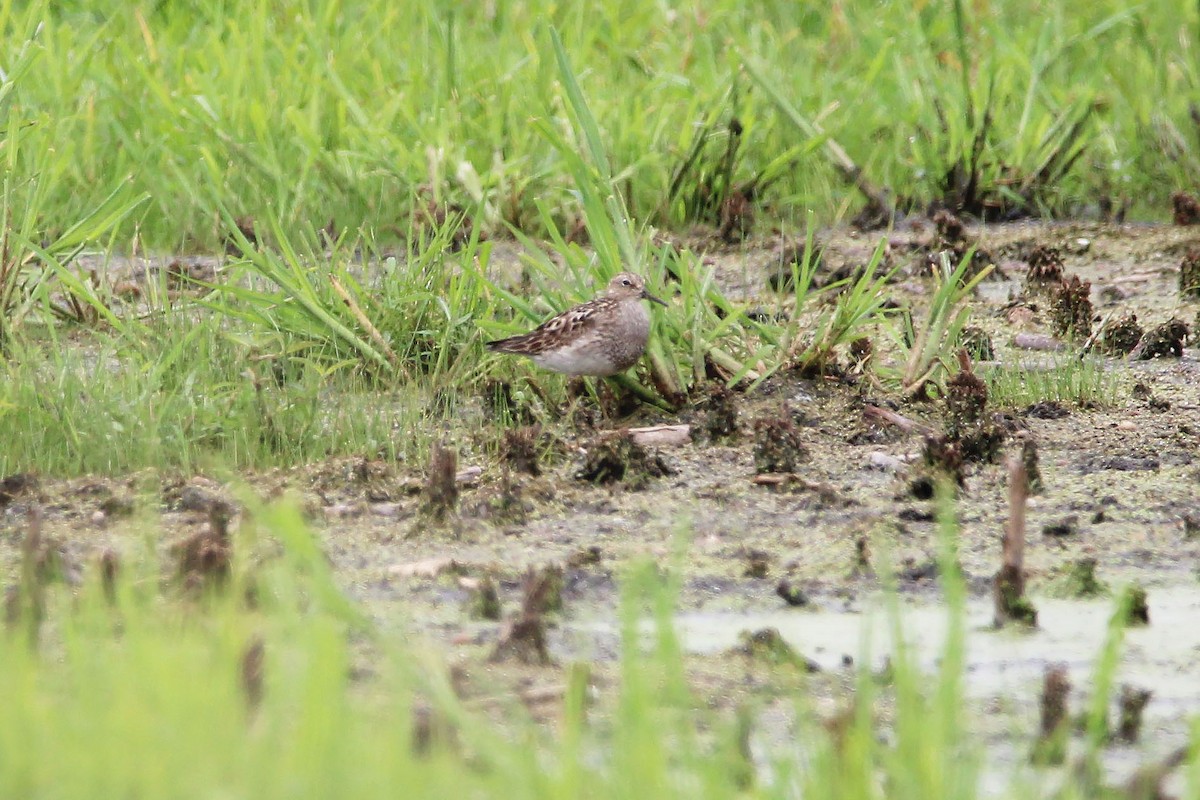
<point x="647" y="296"/>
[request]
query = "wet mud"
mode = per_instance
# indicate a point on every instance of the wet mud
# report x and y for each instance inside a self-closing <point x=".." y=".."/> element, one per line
<point x="793" y="508"/>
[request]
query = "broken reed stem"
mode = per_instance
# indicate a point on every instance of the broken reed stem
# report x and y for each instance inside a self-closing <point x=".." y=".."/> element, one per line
<point x="1051" y="746"/>
<point x="367" y="325"/>
<point x="1014" y="532"/>
<point x="1011" y="603"/>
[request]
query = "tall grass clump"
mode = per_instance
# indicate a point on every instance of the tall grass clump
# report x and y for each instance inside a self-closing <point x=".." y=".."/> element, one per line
<point x="314" y="112"/>
<point x="192" y="396"/>
<point x="392" y="317"/>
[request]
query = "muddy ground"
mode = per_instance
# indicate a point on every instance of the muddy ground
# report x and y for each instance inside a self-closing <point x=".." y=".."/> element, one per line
<point x="1122" y="484"/>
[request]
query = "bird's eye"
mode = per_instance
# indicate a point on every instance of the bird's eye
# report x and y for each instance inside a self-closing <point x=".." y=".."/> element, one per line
<point x="626" y="282"/>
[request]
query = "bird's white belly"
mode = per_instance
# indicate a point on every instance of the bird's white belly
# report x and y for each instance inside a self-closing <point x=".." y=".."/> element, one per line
<point x="580" y="358"/>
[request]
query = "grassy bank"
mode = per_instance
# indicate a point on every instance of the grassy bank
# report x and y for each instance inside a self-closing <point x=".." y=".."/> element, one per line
<point x="358" y="115"/>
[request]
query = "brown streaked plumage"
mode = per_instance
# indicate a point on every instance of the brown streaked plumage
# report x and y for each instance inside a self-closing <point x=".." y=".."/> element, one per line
<point x="601" y="337"/>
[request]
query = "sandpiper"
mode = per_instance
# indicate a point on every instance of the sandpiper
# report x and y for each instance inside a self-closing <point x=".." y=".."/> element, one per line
<point x="601" y="337"/>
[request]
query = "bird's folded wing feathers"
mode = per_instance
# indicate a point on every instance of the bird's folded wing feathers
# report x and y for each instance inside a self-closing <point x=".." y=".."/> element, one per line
<point x="555" y="331"/>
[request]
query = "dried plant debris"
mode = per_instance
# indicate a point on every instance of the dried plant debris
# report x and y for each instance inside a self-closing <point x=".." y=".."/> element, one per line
<point x="1051" y="746"/>
<point x="1135" y="606"/>
<point x="524" y="637"/>
<point x="768" y="646"/>
<point x="1132" y="703"/>
<point x="485" y="600"/>
<point x="1011" y="603"/>
<point x="1045" y="269"/>
<point x="721" y="414"/>
<point x="1189" y="274"/>
<point x="1081" y="580"/>
<point x="204" y="559"/>
<point x="1071" y="308"/>
<point x="1033" y="472"/>
<point x="17" y="486"/>
<point x="792" y="594"/>
<point x="977" y="343"/>
<point x="1187" y="209"/>
<point x="1119" y="338"/>
<point x="441" y="486"/>
<point x="951" y="238"/>
<point x="758" y="564"/>
<point x="979" y="438"/>
<point x="1162" y="341"/>
<point x="253" y="663"/>
<point x="519" y="449"/>
<point x="777" y="444"/>
<point x="618" y="459"/>
<point x="943" y="459"/>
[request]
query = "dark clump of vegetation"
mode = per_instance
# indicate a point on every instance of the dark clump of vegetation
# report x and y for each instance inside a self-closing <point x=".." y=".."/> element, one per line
<point x="942" y="459"/>
<point x="1132" y="703"/>
<point x="1045" y="269"/>
<point x="1135" y="607"/>
<point x="721" y="415"/>
<point x="1162" y="341"/>
<point x="441" y="484"/>
<point x="204" y="559"/>
<point x="1033" y="472"/>
<point x="967" y="421"/>
<point x="777" y="444"/>
<point x="1071" y="308"/>
<point x="18" y="485"/>
<point x="978" y="344"/>
<point x="1055" y="729"/>
<point x="524" y="637"/>
<point x="1189" y="274"/>
<point x="768" y="646"/>
<point x="519" y="449"/>
<point x="1186" y="208"/>
<point x="485" y="600"/>
<point x="951" y="240"/>
<point x="758" y="564"/>
<point x="1120" y="337"/>
<point x="617" y="458"/>
<point x="1081" y="580"/>
<point x="792" y="594"/>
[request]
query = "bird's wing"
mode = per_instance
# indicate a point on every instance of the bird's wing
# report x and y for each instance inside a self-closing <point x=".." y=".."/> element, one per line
<point x="568" y="325"/>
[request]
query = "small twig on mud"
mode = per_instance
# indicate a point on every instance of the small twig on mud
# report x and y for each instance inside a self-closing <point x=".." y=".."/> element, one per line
<point x="1011" y="603"/>
<point x="893" y="418"/>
